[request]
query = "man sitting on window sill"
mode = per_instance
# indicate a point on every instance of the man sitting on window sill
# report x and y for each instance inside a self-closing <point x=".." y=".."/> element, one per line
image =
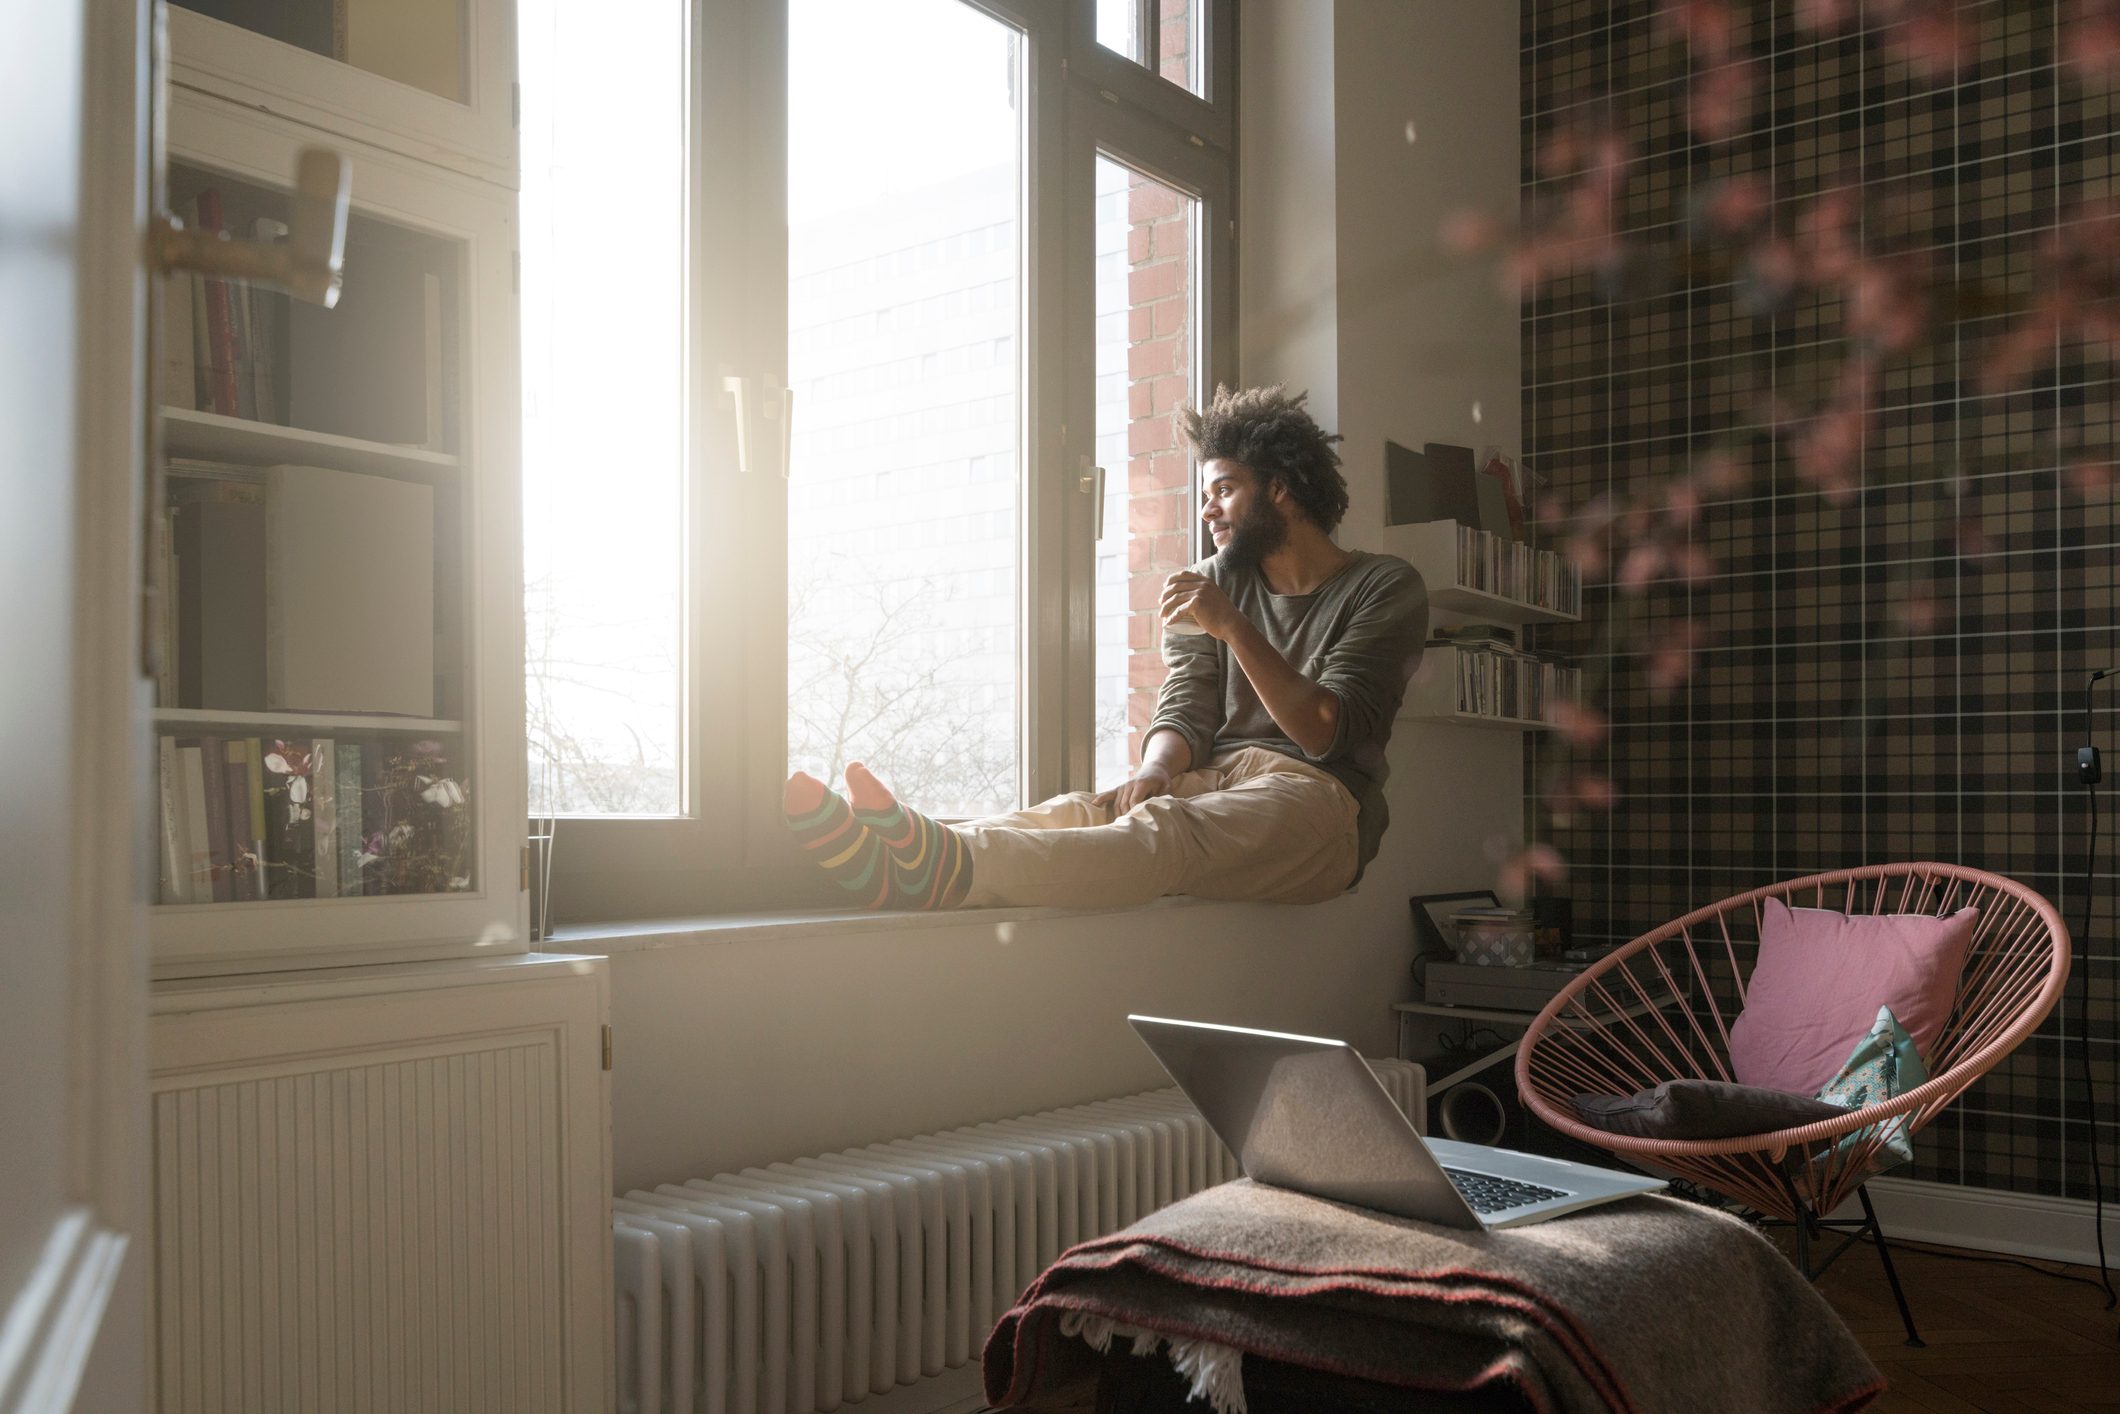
<point x="1262" y="774"/>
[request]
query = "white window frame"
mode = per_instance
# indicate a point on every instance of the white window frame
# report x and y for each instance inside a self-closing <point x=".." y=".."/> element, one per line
<point x="728" y="853"/>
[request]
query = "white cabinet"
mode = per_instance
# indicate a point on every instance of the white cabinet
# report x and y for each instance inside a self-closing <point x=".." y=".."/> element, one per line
<point x="384" y="1188"/>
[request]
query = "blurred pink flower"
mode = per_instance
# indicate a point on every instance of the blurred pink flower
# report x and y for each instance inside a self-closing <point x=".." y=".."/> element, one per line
<point x="1671" y="656"/>
<point x="1640" y="566"/>
<point x="2090" y="37"/>
<point x="2088" y="478"/>
<point x="1468" y="232"/>
<point x="1539" y="861"/>
<point x="1581" y="726"/>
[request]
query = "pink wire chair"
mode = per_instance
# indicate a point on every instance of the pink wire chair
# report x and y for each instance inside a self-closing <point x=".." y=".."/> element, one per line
<point x="1660" y="1009"/>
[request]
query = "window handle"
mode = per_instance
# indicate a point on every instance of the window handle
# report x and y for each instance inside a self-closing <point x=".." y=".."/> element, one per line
<point x="733" y="385"/>
<point x="309" y="265"/>
<point x="1092" y="486"/>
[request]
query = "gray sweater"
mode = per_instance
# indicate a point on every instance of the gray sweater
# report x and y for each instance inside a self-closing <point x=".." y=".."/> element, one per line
<point x="1358" y="635"/>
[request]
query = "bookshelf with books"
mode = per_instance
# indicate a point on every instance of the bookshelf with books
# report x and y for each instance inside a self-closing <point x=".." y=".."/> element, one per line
<point x="1489" y="683"/>
<point x="377" y="368"/>
<point x="1487" y="576"/>
<point x="337" y="715"/>
<point x="1483" y="591"/>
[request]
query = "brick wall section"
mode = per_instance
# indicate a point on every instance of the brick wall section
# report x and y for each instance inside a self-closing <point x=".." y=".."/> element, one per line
<point x="1159" y="496"/>
<point x="1175" y="47"/>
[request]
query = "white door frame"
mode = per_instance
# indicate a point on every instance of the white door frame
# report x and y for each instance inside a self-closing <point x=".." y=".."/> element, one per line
<point x="72" y="1330"/>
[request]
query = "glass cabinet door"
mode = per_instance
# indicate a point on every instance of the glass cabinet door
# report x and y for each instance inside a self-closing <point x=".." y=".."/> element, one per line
<point x="433" y="79"/>
<point x="336" y="751"/>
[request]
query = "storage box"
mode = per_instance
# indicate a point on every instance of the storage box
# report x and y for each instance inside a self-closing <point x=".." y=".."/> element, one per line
<point x="1494" y="939"/>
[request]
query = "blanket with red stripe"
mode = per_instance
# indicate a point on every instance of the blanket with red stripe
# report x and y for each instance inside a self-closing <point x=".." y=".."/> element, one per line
<point x="1637" y="1307"/>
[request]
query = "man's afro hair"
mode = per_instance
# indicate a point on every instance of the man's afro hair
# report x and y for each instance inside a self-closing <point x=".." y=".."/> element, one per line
<point x="1268" y="430"/>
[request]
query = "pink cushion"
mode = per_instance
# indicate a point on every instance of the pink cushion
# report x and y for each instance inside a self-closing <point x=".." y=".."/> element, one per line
<point x="1820" y="978"/>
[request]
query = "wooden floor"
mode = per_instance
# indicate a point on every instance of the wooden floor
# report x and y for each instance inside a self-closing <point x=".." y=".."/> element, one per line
<point x="2001" y="1340"/>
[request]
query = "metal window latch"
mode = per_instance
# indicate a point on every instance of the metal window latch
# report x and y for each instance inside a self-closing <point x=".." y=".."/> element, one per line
<point x="1092" y="486"/>
<point x="735" y="385"/>
<point x="308" y="265"/>
<point x="782" y="410"/>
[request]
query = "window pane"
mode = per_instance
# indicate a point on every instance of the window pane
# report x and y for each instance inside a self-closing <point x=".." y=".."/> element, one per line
<point x="1145" y="359"/>
<point x="1178" y="55"/>
<point x="603" y="461"/>
<point x="1176" y="40"/>
<point x="903" y="350"/>
<point x="1118" y="27"/>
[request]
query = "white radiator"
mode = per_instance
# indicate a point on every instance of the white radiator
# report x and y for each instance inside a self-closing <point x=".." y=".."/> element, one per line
<point x="807" y="1285"/>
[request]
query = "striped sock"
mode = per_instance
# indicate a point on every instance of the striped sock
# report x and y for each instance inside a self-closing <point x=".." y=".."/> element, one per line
<point x="836" y="842"/>
<point x="931" y="867"/>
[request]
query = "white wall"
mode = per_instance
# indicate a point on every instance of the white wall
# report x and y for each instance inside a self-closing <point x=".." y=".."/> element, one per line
<point x="1424" y="336"/>
<point x="768" y="1046"/>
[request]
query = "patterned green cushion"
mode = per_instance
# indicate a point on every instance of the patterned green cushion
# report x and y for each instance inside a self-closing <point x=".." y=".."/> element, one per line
<point x="1883" y="1066"/>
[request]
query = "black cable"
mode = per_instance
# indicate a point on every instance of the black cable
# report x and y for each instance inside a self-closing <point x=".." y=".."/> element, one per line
<point x="2083" y="1005"/>
<point x="1901" y="1245"/>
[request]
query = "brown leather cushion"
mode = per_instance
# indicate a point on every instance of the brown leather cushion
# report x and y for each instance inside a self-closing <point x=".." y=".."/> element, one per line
<point x="1701" y="1109"/>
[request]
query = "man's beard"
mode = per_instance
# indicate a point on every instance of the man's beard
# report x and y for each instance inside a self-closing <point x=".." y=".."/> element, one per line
<point x="1261" y="531"/>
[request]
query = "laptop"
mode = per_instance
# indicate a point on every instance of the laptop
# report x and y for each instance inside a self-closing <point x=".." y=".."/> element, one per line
<point x="1307" y="1113"/>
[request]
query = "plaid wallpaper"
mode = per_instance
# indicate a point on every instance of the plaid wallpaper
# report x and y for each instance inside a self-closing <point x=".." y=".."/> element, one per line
<point x="1897" y="677"/>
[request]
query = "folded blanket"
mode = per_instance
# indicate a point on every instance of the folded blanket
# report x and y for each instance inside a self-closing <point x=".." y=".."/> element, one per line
<point x="1646" y="1305"/>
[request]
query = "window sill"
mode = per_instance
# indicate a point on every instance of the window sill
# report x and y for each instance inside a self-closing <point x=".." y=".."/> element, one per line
<point x="648" y="935"/>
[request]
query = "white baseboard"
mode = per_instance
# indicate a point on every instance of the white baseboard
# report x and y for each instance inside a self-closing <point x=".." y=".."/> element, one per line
<point x="957" y="1391"/>
<point x="1991" y="1220"/>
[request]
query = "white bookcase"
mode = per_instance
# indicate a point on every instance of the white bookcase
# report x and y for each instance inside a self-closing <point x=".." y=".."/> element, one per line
<point x="1471" y="579"/>
<point x="395" y="1056"/>
<point x="429" y="289"/>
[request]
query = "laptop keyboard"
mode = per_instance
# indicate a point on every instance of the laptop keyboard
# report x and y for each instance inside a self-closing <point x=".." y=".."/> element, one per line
<point x="1488" y="1194"/>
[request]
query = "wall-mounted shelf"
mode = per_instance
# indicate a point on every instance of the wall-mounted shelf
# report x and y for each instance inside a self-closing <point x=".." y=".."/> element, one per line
<point x="211" y="436"/>
<point x="1446" y="688"/>
<point x="1487" y="577"/>
<point x="1493" y="608"/>
<point x="305" y="721"/>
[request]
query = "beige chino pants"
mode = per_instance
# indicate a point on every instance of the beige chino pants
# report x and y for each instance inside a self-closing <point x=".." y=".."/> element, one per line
<point x="1252" y="824"/>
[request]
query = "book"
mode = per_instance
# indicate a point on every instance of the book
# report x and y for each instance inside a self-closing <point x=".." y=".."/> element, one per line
<point x="214" y="781"/>
<point x="352" y="820"/>
<point x="223" y="335"/>
<point x="199" y="868"/>
<point x="426" y="820"/>
<point x="246" y="385"/>
<point x="349" y="593"/>
<point x="221" y="562"/>
<point x="268" y="335"/>
<point x="256" y="760"/>
<point x="324" y="810"/>
<point x="201" y="350"/>
<point x="290" y="833"/>
<point x="176" y="377"/>
<point x="166" y="576"/>
<point x="1428" y="486"/>
<point x="243" y="861"/>
<point x="175" y="855"/>
<point x="375" y="817"/>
